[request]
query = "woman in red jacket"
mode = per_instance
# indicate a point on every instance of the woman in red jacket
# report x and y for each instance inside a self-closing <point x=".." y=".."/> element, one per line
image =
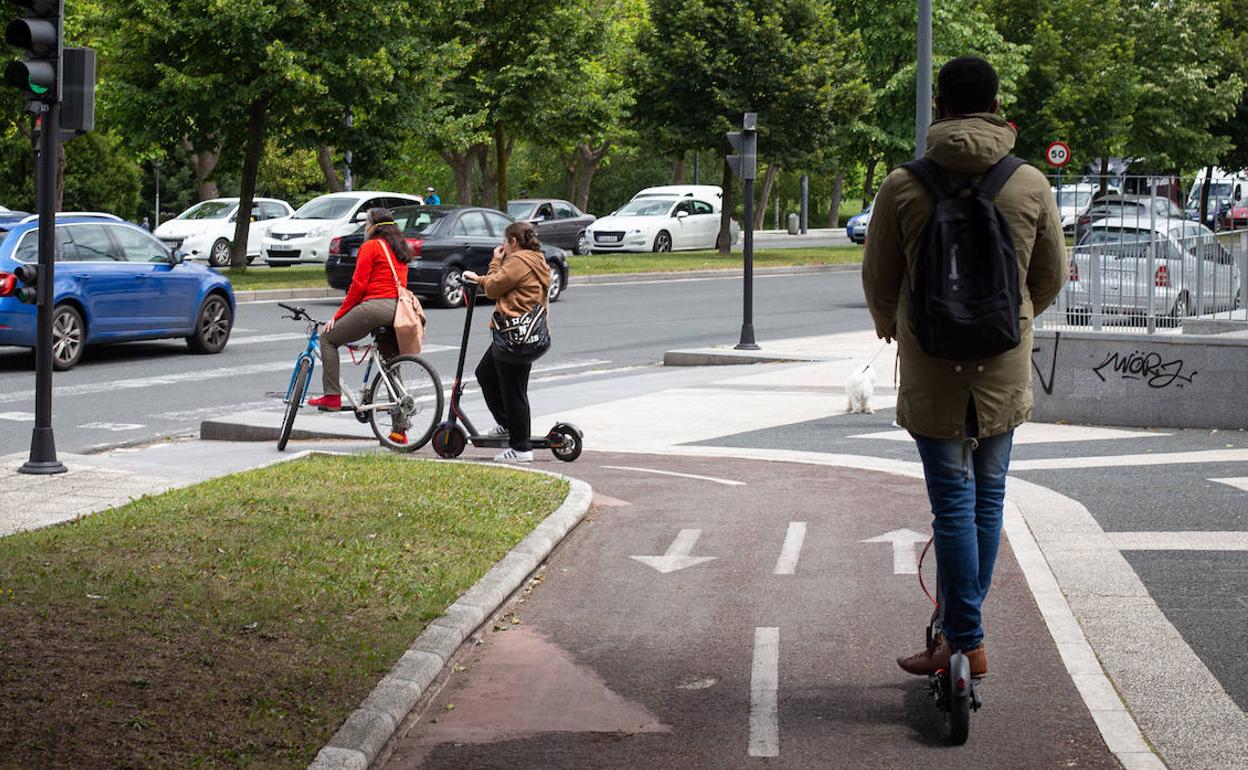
<point x="380" y="268"/>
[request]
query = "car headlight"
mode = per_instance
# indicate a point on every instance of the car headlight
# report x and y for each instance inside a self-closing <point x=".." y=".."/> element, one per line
<point x="634" y="232"/>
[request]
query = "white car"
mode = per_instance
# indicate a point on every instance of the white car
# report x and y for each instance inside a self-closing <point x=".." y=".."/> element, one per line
<point x="307" y="235"/>
<point x="1073" y="201"/>
<point x="713" y="193"/>
<point x="206" y="230"/>
<point x="655" y="221"/>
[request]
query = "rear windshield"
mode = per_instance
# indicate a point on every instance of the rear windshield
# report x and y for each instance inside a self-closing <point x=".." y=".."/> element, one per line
<point x="326" y="208"/>
<point x="416" y="221"/>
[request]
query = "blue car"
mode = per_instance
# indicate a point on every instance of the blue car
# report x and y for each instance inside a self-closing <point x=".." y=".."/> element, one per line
<point x="114" y="283"/>
<point x="856" y="227"/>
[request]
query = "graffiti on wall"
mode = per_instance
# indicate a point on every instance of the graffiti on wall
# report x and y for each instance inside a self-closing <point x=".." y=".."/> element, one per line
<point x="1046" y="383"/>
<point x="1149" y="368"/>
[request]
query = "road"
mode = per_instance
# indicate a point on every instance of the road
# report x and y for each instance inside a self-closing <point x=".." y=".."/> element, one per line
<point x="141" y="391"/>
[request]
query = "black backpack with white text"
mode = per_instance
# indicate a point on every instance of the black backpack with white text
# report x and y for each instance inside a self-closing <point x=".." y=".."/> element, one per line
<point x="965" y="298"/>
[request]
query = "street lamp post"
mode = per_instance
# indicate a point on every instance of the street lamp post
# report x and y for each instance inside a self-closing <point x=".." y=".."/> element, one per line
<point x="923" y="79"/>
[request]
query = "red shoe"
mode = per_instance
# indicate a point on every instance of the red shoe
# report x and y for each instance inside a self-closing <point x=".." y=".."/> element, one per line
<point x="398" y="437"/>
<point x="327" y="403"/>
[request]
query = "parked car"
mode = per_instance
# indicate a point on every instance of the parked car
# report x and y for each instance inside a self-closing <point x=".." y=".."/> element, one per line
<point x="658" y="222"/>
<point x="1235" y="217"/>
<point x="710" y="192"/>
<point x="1222" y="188"/>
<point x="856" y="227"/>
<point x="1138" y="208"/>
<point x="447" y="240"/>
<point x="557" y="222"/>
<point x="1073" y="200"/>
<point x="306" y="236"/>
<point x="206" y="230"/>
<point x="1120" y="248"/>
<point x="114" y="283"/>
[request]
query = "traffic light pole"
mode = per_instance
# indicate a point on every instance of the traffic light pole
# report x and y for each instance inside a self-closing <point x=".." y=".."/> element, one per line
<point x="42" y="442"/>
<point x="747" y="318"/>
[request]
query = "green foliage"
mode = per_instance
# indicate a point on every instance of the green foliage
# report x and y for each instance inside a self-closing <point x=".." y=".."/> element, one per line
<point x="99" y="177"/>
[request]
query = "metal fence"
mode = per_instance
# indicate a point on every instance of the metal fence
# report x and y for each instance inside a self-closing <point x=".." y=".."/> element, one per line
<point x="1141" y="259"/>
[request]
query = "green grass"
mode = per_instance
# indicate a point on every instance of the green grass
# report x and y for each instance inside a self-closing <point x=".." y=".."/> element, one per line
<point x="296" y="277"/>
<point x="313" y="276"/>
<point x="605" y="264"/>
<point x="236" y="623"/>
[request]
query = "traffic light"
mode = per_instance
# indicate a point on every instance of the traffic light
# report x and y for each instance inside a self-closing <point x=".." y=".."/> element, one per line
<point x="39" y="32"/>
<point x="28" y="275"/>
<point x="744" y="160"/>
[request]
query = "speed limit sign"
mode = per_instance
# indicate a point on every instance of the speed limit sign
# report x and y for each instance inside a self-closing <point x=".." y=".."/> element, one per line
<point x="1057" y="154"/>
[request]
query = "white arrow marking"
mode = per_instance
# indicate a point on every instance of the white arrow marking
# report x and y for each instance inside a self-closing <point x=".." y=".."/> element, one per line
<point x="1238" y="483"/>
<point x="904" y="540"/>
<point x="677" y="556"/>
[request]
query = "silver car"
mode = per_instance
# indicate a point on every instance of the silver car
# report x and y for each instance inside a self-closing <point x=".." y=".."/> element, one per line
<point x="1191" y="272"/>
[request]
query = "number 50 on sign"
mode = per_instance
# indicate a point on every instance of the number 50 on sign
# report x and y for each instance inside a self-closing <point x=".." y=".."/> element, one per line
<point x="1057" y="154"/>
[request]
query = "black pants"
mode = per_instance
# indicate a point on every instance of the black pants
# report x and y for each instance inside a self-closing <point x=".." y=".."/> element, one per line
<point x="506" y="390"/>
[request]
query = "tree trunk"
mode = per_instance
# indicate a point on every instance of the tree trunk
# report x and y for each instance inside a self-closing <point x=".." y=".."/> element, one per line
<point x="1204" y="195"/>
<point x="500" y="164"/>
<point x="571" y="162"/>
<point x="488" y="193"/>
<point x="325" y="158"/>
<point x="256" y="116"/>
<point x="60" y="176"/>
<point x="203" y="163"/>
<point x="834" y="213"/>
<point x="461" y="167"/>
<point x="868" y="191"/>
<point x="768" y="180"/>
<point x="590" y="160"/>
<point x="1104" y="175"/>
<point x="678" y="169"/>
<point x="724" y="241"/>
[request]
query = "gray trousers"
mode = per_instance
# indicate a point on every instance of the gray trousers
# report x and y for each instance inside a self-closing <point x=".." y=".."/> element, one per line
<point x="356" y="324"/>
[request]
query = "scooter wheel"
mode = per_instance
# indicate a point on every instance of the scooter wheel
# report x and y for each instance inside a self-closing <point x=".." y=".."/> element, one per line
<point x="566" y="441"/>
<point x="959" y="689"/>
<point x="449" y="442"/>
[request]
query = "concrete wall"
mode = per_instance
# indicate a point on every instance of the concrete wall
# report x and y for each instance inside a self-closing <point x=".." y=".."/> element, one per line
<point x="1138" y="380"/>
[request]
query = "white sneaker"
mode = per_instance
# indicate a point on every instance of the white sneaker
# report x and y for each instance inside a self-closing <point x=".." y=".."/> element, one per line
<point x="498" y="431"/>
<point x="510" y="455"/>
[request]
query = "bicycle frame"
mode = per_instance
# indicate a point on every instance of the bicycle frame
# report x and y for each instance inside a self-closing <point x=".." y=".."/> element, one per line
<point x="313" y="353"/>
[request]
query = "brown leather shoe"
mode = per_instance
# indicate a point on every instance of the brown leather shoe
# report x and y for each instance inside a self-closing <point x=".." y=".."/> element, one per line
<point x="924" y="663"/>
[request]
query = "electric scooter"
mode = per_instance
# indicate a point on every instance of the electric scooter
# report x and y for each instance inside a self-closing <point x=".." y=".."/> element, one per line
<point x="564" y="440"/>
<point x="953" y="689"/>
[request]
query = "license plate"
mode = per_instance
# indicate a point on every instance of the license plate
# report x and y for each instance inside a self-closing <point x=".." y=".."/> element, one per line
<point x="355" y="251"/>
<point x="611" y="239"/>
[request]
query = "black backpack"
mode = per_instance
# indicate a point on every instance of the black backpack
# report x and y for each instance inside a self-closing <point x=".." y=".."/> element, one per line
<point x="964" y="304"/>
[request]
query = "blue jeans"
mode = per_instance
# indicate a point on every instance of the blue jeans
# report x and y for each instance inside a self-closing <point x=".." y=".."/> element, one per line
<point x="966" y="485"/>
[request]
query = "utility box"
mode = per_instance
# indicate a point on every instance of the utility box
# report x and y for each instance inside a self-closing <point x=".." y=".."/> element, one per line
<point x="795" y="224"/>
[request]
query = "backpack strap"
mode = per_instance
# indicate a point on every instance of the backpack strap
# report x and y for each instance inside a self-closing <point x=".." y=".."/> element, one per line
<point x="930" y="175"/>
<point x="994" y="179"/>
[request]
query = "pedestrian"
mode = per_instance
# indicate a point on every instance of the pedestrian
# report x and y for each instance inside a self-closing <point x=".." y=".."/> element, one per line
<point x="962" y="411"/>
<point x="146" y="224"/>
<point x="518" y="280"/>
<point x="432" y="198"/>
<point x="380" y="268"/>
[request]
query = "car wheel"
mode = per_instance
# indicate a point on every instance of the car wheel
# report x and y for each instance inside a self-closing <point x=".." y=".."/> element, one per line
<point x="557" y="282"/>
<point x="451" y="287"/>
<point x="663" y="242"/>
<point x="69" y="337"/>
<point x="250" y="258"/>
<point x="219" y="254"/>
<point x="582" y="244"/>
<point x="212" y="327"/>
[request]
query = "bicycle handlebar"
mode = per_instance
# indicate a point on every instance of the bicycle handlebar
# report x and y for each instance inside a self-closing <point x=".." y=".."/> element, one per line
<point x="298" y="313"/>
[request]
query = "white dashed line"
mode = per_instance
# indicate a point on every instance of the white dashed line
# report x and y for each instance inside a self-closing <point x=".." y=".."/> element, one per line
<point x="1238" y="483"/>
<point x="712" y="479"/>
<point x="792" y="549"/>
<point x="18" y="416"/>
<point x="764" y="683"/>
<point x="114" y="427"/>
<point x="1179" y="541"/>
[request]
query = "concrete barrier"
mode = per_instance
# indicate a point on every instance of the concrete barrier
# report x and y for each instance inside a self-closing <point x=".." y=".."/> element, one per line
<point x="1136" y="380"/>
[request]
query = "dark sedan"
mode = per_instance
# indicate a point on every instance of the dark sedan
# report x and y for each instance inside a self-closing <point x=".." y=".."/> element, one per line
<point x="447" y="240"/>
<point x="557" y="222"/>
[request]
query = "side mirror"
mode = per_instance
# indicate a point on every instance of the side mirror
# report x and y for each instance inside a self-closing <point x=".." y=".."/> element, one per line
<point x="177" y="257"/>
<point x="682" y="214"/>
<point x="360" y="216"/>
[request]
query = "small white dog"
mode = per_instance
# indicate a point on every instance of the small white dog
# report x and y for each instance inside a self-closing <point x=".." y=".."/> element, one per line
<point x="859" y="388"/>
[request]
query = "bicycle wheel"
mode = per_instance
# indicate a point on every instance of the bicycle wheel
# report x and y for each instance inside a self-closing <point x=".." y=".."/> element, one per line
<point x="413" y="412"/>
<point x="302" y="374"/>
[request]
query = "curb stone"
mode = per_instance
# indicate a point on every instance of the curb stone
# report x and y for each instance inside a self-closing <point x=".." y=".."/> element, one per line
<point x="359" y="743"/>
<point x="265" y="295"/>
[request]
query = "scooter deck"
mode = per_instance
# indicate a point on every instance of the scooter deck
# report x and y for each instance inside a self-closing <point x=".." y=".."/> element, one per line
<point x="501" y="442"/>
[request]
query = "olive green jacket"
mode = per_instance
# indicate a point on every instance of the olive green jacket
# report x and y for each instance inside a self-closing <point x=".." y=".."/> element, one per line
<point x="934" y="393"/>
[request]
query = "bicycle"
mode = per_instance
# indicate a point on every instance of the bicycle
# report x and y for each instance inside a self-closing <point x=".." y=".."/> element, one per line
<point x="411" y="389"/>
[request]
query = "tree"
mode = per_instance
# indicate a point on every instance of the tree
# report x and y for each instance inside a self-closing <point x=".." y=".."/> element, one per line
<point x="1232" y="46"/>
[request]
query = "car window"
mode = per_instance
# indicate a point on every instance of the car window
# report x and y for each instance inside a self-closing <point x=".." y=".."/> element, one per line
<point x="272" y="210"/>
<point x="685" y="206"/>
<point x="92" y="244"/>
<point x="699" y="207"/>
<point x="473" y="225"/>
<point x="28" y="248"/>
<point x="498" y="222"/>
<point x="545" y="211"/>
<point x="326" y="207"/>
<point x="564" y="210"/>
<point x="520" y="209"/>
<point x="413" y="221"/>
<point x="138" y="247"/>
<point x="209" y="210"/>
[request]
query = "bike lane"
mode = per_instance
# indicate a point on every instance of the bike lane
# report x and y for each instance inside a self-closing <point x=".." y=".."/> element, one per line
<point x="759" y="629"/>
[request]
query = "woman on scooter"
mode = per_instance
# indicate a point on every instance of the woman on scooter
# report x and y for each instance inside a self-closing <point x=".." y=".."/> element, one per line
<point x="380" y="267"/>
<point x="518" y="280"/>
